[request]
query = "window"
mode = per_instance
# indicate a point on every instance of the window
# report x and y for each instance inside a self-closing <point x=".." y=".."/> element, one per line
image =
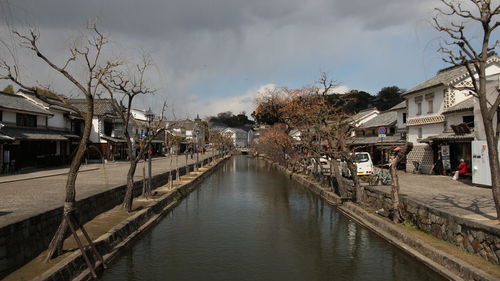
<point x="419" y="133"/>
<point x="430" y="106"/>
<point x="404" y="118"/>
<point x="419" y="108"/>
<point x="469" y="120"/>
<point x="392" y="130"/>
<point x="108" y="128"/>
<point x="360" y="158"/>
<point x="76" y="127"/>
<point x="25" y="120"/>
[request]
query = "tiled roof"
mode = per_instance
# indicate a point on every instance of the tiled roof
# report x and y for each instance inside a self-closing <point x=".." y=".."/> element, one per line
<point x="415" y="121"/>
<point x="20" y="103"/>
<point x="362" y="114"/>
<point x="389" y="140"/>
<point x="446" y="77"/>
<point x="450" y="137"/>
<point x="34" y="134"/>
<point x="467" y="104"/>
<point x="101" y="106"/>
<point x="235" y="130"/>
<point x="401" y="105"/>
<point x="382" y="120"/>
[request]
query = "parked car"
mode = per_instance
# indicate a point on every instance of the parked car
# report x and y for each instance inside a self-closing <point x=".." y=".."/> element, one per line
<point x="323" y="164"/>
<point x="363" y="162"/>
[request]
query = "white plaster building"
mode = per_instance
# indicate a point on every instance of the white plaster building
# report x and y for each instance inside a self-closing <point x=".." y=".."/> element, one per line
<point x="435" y="105"/>
<point x="239" y="136"/>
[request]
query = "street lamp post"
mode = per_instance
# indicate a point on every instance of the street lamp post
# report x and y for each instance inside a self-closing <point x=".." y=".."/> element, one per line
<point x="150" y="116"/>
<point x="196" y="132"/>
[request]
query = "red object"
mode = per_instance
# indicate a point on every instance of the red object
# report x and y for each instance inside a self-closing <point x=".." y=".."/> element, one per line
<point x="462" y="168"/>
<point x="150" y="152"/>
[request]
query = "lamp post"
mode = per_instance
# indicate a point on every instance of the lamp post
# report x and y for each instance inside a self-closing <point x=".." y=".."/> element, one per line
<point x="196" y="132"/>
<point x="150" y="116"/>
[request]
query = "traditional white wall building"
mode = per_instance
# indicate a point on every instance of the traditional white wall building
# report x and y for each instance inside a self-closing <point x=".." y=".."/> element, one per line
<point x="239" y="136"/>
<point x="437" y="104"/>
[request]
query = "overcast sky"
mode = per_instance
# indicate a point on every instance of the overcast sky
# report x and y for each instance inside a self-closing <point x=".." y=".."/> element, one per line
<point x="215" y="55"/>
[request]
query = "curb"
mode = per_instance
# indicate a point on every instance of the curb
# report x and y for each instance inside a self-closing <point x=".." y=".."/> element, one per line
<point x="121" y="235"/>
<point x="45" y="176"/>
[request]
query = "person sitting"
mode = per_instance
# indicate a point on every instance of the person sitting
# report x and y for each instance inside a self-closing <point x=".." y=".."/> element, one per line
<point x="462" y="169"/>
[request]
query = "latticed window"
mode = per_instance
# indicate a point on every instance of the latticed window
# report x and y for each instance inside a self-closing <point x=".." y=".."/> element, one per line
<point x="449" y="98"/>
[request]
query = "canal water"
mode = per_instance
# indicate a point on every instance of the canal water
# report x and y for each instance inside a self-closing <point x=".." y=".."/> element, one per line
<point x="248" y="221"/>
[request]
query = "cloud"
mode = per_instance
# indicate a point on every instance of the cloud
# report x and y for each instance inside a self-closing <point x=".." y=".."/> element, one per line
<point x="235" y="104"/>
<point x="197" y="42"/>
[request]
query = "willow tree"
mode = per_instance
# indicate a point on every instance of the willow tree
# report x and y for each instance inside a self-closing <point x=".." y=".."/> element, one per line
<point x="464" y="46"/>
<point x="86" y="55"/>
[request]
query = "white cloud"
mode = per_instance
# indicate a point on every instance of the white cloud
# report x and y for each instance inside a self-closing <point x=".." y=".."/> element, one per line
<point x="235" y="104"/>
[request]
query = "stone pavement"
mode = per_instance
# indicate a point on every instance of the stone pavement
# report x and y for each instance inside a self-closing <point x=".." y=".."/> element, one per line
<point x="25" y="195"/>
<point x="456" y="197"/>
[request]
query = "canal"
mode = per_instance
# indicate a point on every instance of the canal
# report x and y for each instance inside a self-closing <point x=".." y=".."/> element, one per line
<point x="247" y="221"/>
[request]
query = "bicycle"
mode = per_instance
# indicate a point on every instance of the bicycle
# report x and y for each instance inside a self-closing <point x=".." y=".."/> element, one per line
<point x="383" y="178"/>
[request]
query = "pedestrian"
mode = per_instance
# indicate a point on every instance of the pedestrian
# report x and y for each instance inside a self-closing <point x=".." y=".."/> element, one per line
<point x="462" y="169"/>
<point x="438" y="166"/>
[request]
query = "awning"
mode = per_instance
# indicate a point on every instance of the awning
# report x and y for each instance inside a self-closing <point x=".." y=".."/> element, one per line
<point x="450" y="137"/>
<point x="115" y="140"/>
<point x="34" y="134"/>
<point x="71" y="136"/>
<point x="5" y="138"/>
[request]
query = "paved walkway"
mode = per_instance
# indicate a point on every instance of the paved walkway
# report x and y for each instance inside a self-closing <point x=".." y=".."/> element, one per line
<point x="26" y="195"/>
<point x="442" y="192"/>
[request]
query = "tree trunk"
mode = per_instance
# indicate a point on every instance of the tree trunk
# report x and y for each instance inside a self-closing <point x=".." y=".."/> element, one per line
<point x="128" y="200"/>
<point x="56" y="244"/>
<point x="397" y="216"/>
<point x="360" y="190"/>
<point x="334" y="167"/>
<point x="492" y="143"/>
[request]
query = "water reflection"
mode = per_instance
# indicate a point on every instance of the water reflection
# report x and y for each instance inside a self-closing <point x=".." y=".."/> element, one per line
<point x="250" y="222"/>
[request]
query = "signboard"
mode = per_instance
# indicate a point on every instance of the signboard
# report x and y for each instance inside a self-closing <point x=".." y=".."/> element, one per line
<point x="382" y="132"/>
<point x="445" y="157"/>
<point x="150" y="152"/>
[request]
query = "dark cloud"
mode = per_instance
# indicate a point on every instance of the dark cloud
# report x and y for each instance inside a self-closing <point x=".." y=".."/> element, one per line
<point x="195" y="41"/>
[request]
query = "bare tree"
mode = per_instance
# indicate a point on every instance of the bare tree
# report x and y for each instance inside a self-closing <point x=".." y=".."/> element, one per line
<point x="90" y="57"/>
<point x="130" y="86"/>
<point x="397" y="214"/>
<point x="461" y="49"/>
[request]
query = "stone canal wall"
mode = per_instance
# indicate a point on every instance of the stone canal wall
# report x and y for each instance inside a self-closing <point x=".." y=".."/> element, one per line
<point x="22" y="241"/>
<point x="109" y="245"/>
<point x="473" y="236"/>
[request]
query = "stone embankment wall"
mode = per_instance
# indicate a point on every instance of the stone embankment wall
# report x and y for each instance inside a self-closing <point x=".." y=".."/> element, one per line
<point x="473" y="236"/>
<point x="22" y="241"/>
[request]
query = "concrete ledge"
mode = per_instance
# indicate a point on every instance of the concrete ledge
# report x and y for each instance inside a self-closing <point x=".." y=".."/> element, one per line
<point x="473" y="236"/>
<point x="109" y="244"/>
<point x="21" y="241"/>
<point x="441" y="262"/>
<point x="329" y="196"/>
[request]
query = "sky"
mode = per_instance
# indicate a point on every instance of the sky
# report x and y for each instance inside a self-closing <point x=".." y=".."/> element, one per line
<point x="212" y="56"/>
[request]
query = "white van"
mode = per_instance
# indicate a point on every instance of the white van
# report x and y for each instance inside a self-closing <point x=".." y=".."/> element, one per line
<point x="363" y="162"/>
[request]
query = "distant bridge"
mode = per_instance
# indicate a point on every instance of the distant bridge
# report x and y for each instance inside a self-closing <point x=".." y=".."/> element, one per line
<point x="244" y="150"/>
